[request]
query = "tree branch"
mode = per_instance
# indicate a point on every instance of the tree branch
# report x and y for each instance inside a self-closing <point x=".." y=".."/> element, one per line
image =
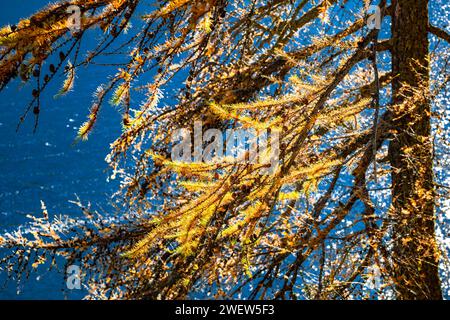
<point x="442" y="34"/>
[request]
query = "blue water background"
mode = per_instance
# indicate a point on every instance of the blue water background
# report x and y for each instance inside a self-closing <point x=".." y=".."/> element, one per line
<point x="47" y="165"/>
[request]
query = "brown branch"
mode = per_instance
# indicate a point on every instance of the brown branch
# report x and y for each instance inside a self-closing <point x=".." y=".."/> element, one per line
<point x="442" y="34"/>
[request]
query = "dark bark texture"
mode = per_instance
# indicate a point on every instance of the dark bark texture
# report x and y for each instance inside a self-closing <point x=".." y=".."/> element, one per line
<point x="415" y="254"/>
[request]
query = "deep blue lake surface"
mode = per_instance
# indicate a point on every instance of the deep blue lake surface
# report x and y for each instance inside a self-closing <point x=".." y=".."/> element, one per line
<point x="47" y="165"/>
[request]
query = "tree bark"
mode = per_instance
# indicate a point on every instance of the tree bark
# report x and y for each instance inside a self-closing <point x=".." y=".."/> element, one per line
<point x="415" y="254"/>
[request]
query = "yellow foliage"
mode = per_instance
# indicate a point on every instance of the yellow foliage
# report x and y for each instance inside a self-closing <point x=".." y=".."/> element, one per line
<point x="289" y="196"/>
<point x="311" y="172"/>
<point x="196" y="186"/>
<point x="246" y="216"/>
<point x="69" y="82"/>
<point x="172" y="6"/>
<point x="260" y="104"/>
<point x="87" y="127"/>
<point x="207" y="22"/>
<point x="247" y="122"/>
<point x="343" y="113"/>
<point x="120" y="94"/>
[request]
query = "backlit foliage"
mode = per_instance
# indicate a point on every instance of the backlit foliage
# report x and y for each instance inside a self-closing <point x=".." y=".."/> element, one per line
<point x="314" y="228"/>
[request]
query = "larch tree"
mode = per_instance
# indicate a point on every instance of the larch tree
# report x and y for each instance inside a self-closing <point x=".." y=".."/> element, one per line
<point x="412" y="187"/>
<point x="349" y="177"/>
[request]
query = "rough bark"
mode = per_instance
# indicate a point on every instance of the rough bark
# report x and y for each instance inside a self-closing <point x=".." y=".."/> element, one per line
<point x="415" y="253"/>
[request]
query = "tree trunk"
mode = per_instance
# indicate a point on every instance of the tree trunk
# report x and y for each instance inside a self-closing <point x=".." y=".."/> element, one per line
<point x="415" y="254"/>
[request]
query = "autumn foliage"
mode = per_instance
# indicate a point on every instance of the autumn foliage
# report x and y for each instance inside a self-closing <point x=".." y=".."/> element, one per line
<point x="325" y="224"/>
